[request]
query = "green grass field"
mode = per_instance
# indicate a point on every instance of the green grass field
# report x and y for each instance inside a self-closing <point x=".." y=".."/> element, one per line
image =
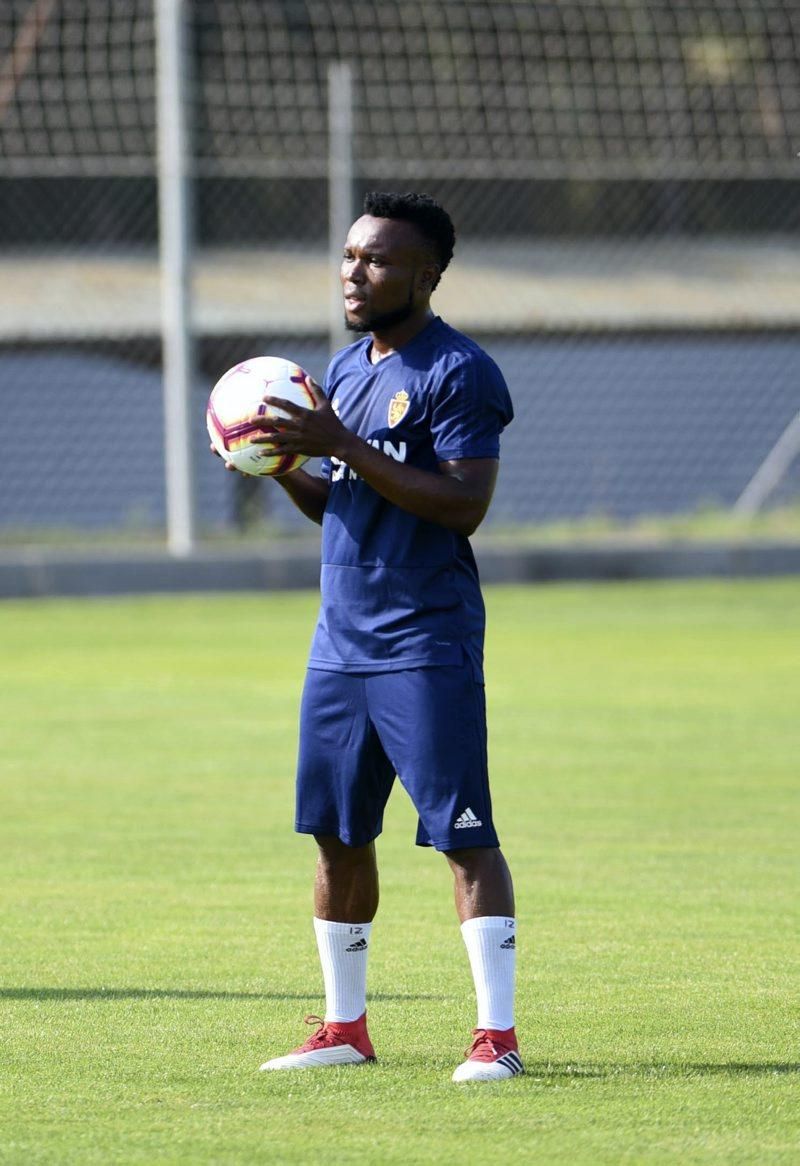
<point x="156" y="938"/>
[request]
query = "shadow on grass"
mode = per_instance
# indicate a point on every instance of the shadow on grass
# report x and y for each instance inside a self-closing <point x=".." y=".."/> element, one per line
<point x="175" y="994"/>
<point x="572" y="1071"/>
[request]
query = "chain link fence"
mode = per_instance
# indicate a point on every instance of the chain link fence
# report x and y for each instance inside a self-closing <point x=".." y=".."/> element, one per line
<point x="623" y="176"/>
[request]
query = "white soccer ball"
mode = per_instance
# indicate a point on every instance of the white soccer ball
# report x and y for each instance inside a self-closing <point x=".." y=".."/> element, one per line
<point x="238" y="396"/>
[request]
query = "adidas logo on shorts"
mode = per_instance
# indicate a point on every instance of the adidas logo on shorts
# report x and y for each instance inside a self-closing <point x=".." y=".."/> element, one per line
<point x="359" y="945"/>
<point x="467" y="820"/>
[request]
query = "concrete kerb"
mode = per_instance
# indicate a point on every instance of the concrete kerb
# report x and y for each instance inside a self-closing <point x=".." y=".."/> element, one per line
<point x="292" y="565"/>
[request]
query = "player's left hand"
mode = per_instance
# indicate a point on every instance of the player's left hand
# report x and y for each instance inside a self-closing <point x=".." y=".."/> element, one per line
<point x="228" y="465"/>
<point x="314" y="432"/>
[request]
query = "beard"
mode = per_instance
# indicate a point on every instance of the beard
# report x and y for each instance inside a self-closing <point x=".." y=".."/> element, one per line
<point x="383" y="320"/>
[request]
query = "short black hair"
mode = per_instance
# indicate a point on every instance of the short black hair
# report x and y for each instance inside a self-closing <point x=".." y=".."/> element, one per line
<point x="431" y="220"/>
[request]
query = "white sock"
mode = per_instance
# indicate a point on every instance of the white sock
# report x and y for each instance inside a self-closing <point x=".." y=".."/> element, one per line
<point x="490" y="942"/>
<point x="343" y="954"/>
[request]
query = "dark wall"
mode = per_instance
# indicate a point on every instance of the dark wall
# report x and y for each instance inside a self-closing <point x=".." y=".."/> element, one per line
<point x="123" y="212"/>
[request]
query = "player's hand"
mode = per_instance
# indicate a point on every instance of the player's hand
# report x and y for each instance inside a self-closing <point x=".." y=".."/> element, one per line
<point x="228" y="465"/>
<point x="316" y="432"/>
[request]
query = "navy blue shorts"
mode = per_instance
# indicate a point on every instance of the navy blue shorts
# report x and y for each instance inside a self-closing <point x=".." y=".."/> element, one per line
<point x="425" y="725"/>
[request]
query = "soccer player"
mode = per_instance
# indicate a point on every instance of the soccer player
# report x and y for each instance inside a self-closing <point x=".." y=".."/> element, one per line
<point x="408" y="426"/>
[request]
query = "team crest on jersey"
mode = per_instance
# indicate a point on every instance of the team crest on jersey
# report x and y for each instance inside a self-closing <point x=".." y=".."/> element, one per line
<point x="398" y="407"/>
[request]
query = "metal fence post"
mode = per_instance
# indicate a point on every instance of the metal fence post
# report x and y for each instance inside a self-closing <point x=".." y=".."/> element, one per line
<point x="172" y="98"/>
<point x="340" y="187"/>
<point x="772" y="470"/>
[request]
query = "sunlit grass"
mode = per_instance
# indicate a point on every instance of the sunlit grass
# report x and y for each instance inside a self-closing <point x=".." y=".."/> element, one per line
<point x="156" y="906"/>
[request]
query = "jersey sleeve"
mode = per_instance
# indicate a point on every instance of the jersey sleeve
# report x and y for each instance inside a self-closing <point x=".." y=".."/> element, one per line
<point x="470" y="410"/>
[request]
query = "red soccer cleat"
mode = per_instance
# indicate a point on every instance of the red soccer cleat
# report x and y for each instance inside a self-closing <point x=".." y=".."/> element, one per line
<point x="492" y="1056"/>
<point x="336" y="1042"/>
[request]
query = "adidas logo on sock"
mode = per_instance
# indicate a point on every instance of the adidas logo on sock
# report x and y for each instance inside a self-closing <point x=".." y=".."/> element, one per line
<point x="359" y="945"/>
<point x="510" y="942"/>
<point x="467" y="820"/>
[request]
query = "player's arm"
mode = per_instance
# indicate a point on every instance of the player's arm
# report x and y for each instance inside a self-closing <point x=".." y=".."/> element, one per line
<point x="308" y="493"/>
<point x="457" y="497"/>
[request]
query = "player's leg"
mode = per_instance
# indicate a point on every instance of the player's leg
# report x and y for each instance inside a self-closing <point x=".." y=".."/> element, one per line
<point x="484" y="897"/>
<point x="443" y="764"/>
<point x="346" y="882"/>
<point x="481" y="882"/>
<point x="343" y="782"/>
<point x="345" y="902"/>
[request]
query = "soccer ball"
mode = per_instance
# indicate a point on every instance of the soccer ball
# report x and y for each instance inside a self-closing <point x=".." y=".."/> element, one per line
<point x="237" y="396"/>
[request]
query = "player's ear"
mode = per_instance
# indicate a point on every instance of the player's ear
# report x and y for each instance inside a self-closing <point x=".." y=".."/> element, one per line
<point x="429" y="277"/>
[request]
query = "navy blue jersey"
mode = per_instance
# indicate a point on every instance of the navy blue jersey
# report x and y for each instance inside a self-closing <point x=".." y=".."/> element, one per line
<point x="399" y="592"/>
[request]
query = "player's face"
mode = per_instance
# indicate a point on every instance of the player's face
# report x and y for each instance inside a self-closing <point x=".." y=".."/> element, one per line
<point x="386" y="274"/>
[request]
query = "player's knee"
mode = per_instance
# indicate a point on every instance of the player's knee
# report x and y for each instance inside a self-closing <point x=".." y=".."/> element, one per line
<point x="335" y="853"/>
<point x="472" y="864"/>
<point x="467" y="856"/>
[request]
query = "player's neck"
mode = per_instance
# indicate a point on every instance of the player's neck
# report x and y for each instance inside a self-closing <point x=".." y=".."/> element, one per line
<point x="384" y="343"/>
